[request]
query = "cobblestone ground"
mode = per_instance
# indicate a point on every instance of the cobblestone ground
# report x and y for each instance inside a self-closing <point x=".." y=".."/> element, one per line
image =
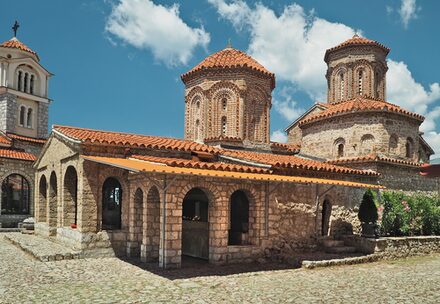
<point x="110" y="280"/>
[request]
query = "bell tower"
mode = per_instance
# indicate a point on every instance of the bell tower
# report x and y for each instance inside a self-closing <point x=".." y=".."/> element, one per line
<point x="356" y="67"/>
<point x="24" y="102"/>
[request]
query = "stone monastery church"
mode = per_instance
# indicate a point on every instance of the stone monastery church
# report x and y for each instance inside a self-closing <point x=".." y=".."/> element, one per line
<point x="225" y="193"/>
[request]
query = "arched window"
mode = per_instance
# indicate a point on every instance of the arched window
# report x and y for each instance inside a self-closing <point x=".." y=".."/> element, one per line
<point x="409" y="147"/>
<point x="325" y="217"/>
<point x="360" y="81"/>
<point x="340" y="150"/>
<point x="197" y="130"/>
<point x="341" y="85"/>
<point x="25" y="82"/>
<point x="20" y="80"/>
<point x="239" y="219"/>
<point x="15" y="195"/>
<point x="22" y="115"/>
<point x="31" y="84"/>
<point x="367" y="144"/>
<point x="111" y="204"/>
<point x="339" y="146"/>
<point x="224" y="126"/>
<point x="393" y="145"/>
<point x="29" y="118"/>
<point x="224" y="103"/>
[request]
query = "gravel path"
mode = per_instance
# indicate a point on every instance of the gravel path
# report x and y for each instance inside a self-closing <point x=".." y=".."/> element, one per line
<point x="23" y="279"/>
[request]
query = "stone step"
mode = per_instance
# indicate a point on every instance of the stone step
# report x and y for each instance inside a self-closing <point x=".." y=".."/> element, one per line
<point x="341" y="249"/>
<point x="332" y="243"/>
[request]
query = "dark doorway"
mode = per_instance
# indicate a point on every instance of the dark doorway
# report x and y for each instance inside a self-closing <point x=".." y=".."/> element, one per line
<point x="111" y="204"/>
<point x="326" y="212"/>
<point x="195" y="226"/>
<point x="239" y="219"/>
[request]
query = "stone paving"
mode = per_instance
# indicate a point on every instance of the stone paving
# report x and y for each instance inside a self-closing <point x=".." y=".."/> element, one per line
<point x="24" y="279"/>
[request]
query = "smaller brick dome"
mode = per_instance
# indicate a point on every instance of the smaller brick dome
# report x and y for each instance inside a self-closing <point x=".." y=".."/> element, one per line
<point x="356" y="41"/>
<point x="226" y="59"/>
<point x="14" y="43"/>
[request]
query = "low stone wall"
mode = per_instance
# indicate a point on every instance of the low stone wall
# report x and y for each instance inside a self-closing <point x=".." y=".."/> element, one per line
<point x="395" y="247"/>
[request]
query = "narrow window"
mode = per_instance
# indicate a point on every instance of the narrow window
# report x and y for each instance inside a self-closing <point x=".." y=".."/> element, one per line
<point x="19" y="81"/>
<point x="340" y="150"/>
<point x="409" y="148"/>
<point x="342" y="85"/>
<point x="29" y="118"/>
<point x="31" y="85"/>
<point x="224" y="104"/>
<point x="25" y="87"/>
<point x="360" y="82"/>
<point x="197" y="130"/>
<point x="22" y="114"/>
<point x="224" y="126"/>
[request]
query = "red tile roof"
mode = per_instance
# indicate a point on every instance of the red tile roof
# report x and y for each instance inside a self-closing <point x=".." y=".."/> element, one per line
<point x="186" y="163"/>
<point x="373" y="158"/>
<point x="14" y="154"/>
<point x="283" y="147"/>
<point x="228" y="58"/>
<point x="356" y="41"/>
<point x="277" y="161"/>
<point x="359" y="104"/>
<point x="41" y="141"/>
<point x="14" y="43"/>
<point x="4" y="140"/>
<point x="131" y="140"/>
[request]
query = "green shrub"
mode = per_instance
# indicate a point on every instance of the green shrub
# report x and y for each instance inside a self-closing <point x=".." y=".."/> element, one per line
<point x="406" y="215"/>
<point x="368" y="209"/>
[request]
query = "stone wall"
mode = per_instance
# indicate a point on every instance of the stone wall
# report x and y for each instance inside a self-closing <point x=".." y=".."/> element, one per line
<point x="8" y="112"/>
<point x="43" y="119"/>
<point x="396" y="247"/>
<point x="320" y="138"/>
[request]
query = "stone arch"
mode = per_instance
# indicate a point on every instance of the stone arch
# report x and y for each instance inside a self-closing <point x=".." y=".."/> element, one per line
<point x="151" y="227"/>
<point x="15" y="194"/>
<point x="367" y="144"/>
<point x="393" y="145"/>
<point x="112" y="201"/>
<point x="238" y="219"/>
<point x="52" y="203"/>
<point x="256" y="117"/>
<point x="195" y="223"/>
<point x="70" y="197"/>
<point x="339" y="147"/>
<point x="195" y="116"/>
<point x="409" y="148"/>
<point x="42" y="199"/>
<point x="253" y="221"/>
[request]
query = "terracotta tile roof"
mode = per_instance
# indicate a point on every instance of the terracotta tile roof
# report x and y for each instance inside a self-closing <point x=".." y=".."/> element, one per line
<point x="14" y="154"/>
<point x="356" y="41"/>
<point x="373" y="158"/>
<point x="41" y="141"/>
<point x="142" y="166"/>
<point x="14" y="43"/>
<point x="228" y="58"/>
<point x="278" y="161"/>
<point x="186" y="163"/>
<point x="290" y="148"/>
<point x="223" y="138"/>
<point x="90" y="136"/>
<point x="4" y="140"/>
<point x="359" y="104"/>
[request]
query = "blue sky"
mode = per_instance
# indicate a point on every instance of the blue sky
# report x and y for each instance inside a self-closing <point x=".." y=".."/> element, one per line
<point x="117" y="64"/>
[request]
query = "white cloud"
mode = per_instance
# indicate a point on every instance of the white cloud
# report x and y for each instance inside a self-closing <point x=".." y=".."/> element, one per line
<point x="158" y="28"/>
<point x="278" y="136"/>
<point x="408" y="11"/>
<point x="292" y="44"/>
<point x="286" y="106"/>
<point x="403" y="90"/>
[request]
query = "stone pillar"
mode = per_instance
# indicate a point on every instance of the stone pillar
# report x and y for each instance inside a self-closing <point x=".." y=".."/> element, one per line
<point x="170" y="251"/>
<point x="218" y="229"/>
<point x="88" y="197"/>
<point x="43" y="119"/>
